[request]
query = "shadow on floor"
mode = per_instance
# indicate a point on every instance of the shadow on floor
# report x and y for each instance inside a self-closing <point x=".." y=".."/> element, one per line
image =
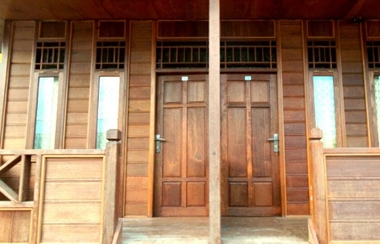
<point x="234" y="230"/>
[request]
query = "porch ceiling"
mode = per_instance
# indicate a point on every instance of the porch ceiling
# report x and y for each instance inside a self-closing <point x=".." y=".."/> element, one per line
<point x="188" y="9"/>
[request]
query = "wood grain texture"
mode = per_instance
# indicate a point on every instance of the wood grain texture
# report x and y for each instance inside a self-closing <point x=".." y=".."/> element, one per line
<point x="139" y="106"/>
<point x="350" y="47"/>
<point x="20" y="73"/>
<point x="66" y="214"/>
<point x="181" y="183"/>
<point x="294" y="116"/>
<point x="79" y="84"/>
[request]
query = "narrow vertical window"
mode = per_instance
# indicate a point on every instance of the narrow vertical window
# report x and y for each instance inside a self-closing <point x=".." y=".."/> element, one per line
<point x="377" y="102"/>
<point x="108" y="108"/>
<point x="324" y="109"/>
<point x="46" y="114"/>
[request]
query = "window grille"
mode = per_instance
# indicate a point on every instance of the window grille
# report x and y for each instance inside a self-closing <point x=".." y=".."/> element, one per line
<point x="322" y="54"/>
<point x="181" y="55"/>
<point x="260" y="54"/>
<point x="185" y="55"/>
<point x="50" y="56"/>
<point x="110" y="55"/>
<point x="373" y="52"/>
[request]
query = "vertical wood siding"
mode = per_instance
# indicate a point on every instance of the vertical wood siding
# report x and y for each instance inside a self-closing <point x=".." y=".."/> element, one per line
<point x="138" y="119"/>
<point x="294" y="117"/>
<point x="79" y="84"/>
<point x="14" y="226"/>
<point x="353" y="84"/>
<point x="18" y="85"/>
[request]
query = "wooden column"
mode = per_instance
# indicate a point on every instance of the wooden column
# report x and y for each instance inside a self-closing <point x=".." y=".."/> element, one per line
<point x="4" y="74"/>
<point x="110" y="211"/>
<point x="214" y="123"/>
<point x="318" y="198"/>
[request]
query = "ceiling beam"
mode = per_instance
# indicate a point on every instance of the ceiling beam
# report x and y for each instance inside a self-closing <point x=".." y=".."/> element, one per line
<point x="355" y="9"/>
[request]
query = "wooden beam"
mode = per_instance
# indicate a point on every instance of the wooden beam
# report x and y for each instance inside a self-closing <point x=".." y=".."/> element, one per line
<point x="4" y="74"/>
<point x="24" y="178"/>
<point x="8" y="192"/>
<point x="355" y="9"/>
<point x="214" y="123"/>
<point x="10" y="164"/>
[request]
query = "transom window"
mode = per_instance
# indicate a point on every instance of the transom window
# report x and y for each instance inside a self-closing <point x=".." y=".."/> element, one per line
<point x="373" y="52"/>
<point x="248" y="54"/>
<point x="233" y="54"/>
<point x="50" y="56"/>
<point x="110" y="55"/>
<point x="322" y="54"/>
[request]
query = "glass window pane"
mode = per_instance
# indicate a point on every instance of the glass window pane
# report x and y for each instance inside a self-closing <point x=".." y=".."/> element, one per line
<point x="324" y="107"/>
<point x="108" y="107"/>
<point x="46" y="116"/>
<point x="377" y="101"/>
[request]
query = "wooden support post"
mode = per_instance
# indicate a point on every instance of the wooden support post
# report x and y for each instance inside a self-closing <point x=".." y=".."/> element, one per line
<point x="319" y="214"/>
<point x="110" y="212"/>
<point x="214" y="123"/>
<point x="24" y="178"/>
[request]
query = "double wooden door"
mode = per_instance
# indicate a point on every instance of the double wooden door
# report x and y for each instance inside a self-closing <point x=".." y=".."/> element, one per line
<point x="250" y="185"/>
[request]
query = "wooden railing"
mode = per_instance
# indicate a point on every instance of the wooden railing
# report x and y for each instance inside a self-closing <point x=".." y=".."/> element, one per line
<point x="345" y="193"/>
<point x="59" y="195"/>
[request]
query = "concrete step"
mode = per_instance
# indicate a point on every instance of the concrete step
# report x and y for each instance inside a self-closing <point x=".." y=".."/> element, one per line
<point x="240" y="230"/>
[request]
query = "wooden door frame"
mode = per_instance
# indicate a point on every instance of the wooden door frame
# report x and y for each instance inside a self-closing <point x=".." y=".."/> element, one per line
<point x="281" y="134"/>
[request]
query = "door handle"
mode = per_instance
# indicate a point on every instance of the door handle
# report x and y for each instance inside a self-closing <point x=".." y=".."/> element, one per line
<point x="275" y="142"/>
<point x="159" y="139"/>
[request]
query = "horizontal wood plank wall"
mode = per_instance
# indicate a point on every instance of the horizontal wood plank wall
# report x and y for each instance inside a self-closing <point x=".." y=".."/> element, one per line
<point x="297" y="192"/>
<point x="15" y="226"/>
<point x="79" y="84"/>
<point x="18" y="85"/>
<point x="353" y="84"/>
<point x="353" y="194"/>
<point x="136" y="189"/>
<point x="71" y="200"/>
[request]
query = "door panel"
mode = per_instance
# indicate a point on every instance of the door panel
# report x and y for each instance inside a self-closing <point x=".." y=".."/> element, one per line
<point x="181" y="170"/>
<point x="250" y="172"/>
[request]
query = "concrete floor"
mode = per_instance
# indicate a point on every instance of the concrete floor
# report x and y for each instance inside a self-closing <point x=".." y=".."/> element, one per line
<point x="234" y="230"/>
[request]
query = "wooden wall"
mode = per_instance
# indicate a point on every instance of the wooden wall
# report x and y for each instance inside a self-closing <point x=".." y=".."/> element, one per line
<point x="292" y="58"/>
<point x="79" y="84"/>
<point x="349" y="35"/>
<point x="71" y="200"/>
<point x="353" y="190"/>
<point x="80" y="72"/>
<point x="17" y="93"/>
<point x="15" y="226"/>
<point x="136" y="191"/>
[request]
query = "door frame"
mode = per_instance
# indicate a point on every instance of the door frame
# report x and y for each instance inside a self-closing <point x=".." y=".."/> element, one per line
<point x="152" y="130"/>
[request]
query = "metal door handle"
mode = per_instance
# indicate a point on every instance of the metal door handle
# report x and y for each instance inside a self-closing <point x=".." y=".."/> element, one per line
<point x="275" y="142"/>
<point x="159" y="139"/>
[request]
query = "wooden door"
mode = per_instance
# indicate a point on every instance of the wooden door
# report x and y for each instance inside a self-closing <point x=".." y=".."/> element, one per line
<point x="181" y="169"/>
<point x="250" y="171"/>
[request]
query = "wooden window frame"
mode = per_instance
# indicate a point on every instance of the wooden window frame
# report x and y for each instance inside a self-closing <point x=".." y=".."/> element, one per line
<point x="338" y="99"/>
<point x="32" y="115"/>
<point x="373" y="123"/>
<point x="93" y="116"/>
